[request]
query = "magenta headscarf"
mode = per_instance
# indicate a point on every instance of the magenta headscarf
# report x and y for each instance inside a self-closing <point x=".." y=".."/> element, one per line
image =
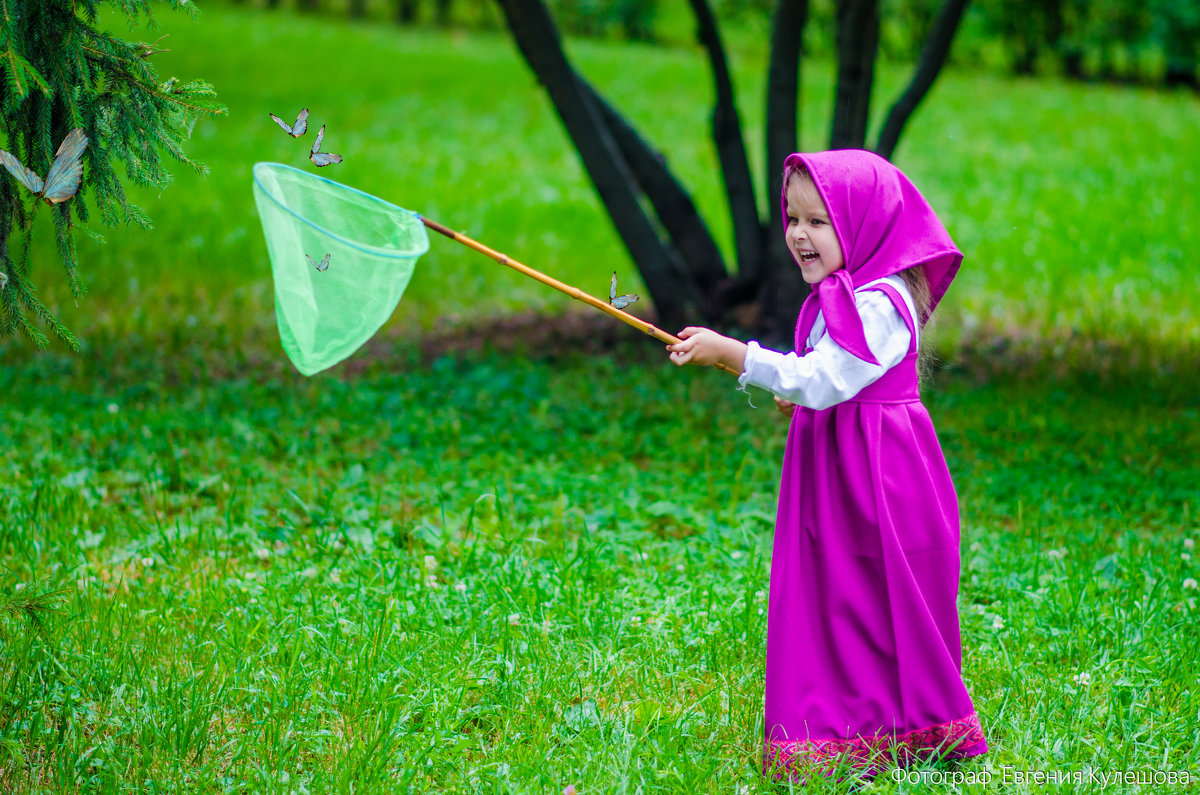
<point x="884" y="226"/>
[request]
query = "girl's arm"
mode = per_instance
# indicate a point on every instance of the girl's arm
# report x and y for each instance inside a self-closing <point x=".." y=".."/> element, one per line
<point x="706" y="347"/>
<point x="829" y="374"/>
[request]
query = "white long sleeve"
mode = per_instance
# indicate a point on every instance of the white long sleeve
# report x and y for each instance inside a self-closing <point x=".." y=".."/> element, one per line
<point x="830" y="374"/>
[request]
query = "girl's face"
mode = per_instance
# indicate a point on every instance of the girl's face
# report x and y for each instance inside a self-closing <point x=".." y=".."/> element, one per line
<point x="810" y="235"/>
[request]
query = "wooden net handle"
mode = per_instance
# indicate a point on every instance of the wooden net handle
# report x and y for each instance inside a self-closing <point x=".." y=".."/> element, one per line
<point x="574" y="292"/>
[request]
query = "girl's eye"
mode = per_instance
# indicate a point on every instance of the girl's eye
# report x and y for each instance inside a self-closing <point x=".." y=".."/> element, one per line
<point x="817" y="221"/>
<point x="791" y="219"/>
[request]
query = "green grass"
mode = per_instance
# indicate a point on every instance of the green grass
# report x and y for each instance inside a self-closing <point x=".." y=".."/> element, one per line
<point x="500" y="574"/>
<point x="513" y="570"/>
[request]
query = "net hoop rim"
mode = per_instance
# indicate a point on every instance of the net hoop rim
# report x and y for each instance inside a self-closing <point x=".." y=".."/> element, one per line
<point x="372" y="250"/>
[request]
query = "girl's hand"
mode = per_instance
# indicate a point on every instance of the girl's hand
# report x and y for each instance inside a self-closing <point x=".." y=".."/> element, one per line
<point x="786" y="406"/>
<point x="706" y="347"/>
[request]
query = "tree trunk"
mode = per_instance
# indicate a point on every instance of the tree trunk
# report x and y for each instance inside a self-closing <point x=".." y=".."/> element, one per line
<point x="357" y="9"/>
<point x="1181" y="44"/>
<point x="1072" y="60"/>
<point x="783" y="92"/>
<point x="662" y="269"/>
<point x="443" y="13"/>
<point x="1025" y="57"/>
<point x="933" y="57"/>
<point x="680" y="263"/>
<point x="672" y="204"/>
<point x="406" y="12"/>
<point x="780" y="287"/>
<point x="1181" y="74"/>
<point x="731" y="147"/>
<point x="857" y="45"/>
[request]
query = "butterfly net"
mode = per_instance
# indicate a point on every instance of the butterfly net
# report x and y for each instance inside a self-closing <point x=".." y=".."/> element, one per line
<point x="373" y="246"/>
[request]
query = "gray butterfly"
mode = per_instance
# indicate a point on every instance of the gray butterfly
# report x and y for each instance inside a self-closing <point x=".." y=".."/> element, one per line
<point x="294" y="130"/>
<point x="619" y="301"/>
<point x="322" y="265"/>
<point x="64" y="176"/>
<point x="317" y="156"/>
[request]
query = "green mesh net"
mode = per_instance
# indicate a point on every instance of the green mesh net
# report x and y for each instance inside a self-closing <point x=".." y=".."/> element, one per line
<point x="372" y="247"/>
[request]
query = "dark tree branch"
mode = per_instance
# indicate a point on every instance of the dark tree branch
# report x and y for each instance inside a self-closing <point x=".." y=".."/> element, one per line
<point x="783" y="92"/>
<point x="857" y="45"/>
<point x="933" y="57"/>
<point x="668" y="239"/>
<point x="731" y="147"/>
<point x="661" y="267"/>
<point x="672" y="204"/>
<point x="781" y="288"/>
<point x="406" y="12"/>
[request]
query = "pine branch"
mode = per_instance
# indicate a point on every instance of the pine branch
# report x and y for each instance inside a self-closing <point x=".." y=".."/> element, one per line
<point x="60" y="72"/>
<point x="20" y="73"/>
<point x="20" y="291"/>
<point x="17" y="293"/>
<point x="66" y="248"/>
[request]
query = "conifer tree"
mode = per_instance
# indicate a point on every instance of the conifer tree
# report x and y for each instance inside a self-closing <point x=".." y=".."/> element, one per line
<point x="59" y="71"/>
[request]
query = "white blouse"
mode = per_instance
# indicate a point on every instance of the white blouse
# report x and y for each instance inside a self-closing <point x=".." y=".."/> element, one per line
<point x="830" y="374"/>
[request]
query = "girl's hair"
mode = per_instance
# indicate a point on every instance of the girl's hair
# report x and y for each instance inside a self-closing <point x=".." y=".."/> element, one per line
<point x="918" y="287"/>
<point x="914" y="279"/>
<point x="794" y="169"/>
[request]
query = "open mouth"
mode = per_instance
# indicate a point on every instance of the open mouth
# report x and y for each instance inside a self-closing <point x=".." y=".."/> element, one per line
<point x="809" y="256"/>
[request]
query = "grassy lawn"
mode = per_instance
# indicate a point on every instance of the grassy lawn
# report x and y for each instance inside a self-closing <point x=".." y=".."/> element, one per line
<point x="497" y="573"/>
<point x="514" y="570"/>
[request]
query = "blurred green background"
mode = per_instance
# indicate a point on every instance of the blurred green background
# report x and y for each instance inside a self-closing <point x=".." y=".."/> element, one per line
<point x="1073" y="202"/>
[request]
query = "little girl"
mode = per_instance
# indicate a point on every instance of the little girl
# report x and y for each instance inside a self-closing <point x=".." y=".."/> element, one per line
<point x="863" y="656"/>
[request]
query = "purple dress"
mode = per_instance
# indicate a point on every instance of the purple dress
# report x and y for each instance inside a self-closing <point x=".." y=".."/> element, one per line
<point x="864" y="665"/>
<point x="863" y="655"/>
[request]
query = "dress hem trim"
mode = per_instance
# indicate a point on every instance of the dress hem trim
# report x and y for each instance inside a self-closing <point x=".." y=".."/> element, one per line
<point x="955" y="739"/>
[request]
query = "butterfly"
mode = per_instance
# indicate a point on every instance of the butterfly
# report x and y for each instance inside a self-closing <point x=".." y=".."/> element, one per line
<point x="66" y="172"/>
<point x="297" y="129"/>
<point x="619" y="301"/>
<point x="321" y="158"/>
<point x="322" y="265"/>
